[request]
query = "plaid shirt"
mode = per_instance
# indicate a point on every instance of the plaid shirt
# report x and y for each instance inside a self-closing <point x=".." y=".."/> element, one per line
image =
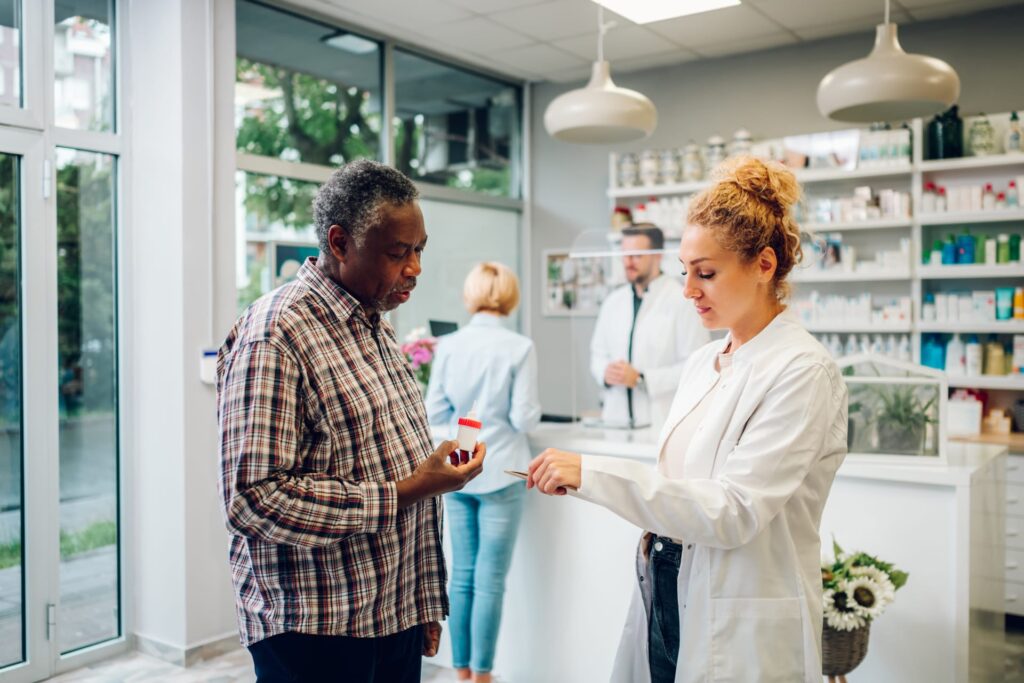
<point x="319" y="415"/>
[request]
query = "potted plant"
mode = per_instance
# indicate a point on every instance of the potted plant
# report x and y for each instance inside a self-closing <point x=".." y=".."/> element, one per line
<point x="857" y="588"/>
<point x="902" y="418"/>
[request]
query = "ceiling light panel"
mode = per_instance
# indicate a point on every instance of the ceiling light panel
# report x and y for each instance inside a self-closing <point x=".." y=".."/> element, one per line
<point x="647" y="11"/>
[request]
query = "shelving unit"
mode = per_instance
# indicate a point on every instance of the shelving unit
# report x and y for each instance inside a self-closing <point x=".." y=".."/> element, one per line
<point x="967" y="272"/>
<point x="998" y="327"/>
<point x="1005" y="383"/>
<point x="972" y="217"/>
<point x="813" y="275"/>
<point x="860" y="328"/>
<point x="883" y="224"/>
<point x="971" y="163"/>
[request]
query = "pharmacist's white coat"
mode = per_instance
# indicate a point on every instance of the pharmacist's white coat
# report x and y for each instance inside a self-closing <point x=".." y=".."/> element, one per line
<point x="757" y="475"/>
<point x="667" y="331"/>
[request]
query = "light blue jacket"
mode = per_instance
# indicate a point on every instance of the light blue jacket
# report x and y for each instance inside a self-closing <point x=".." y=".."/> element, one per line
<point x="496" y="367"/>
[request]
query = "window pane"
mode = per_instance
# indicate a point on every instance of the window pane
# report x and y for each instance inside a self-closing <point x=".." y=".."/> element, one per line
<point x="305" y="91"/>
<point x="12" y="594"/>
<point x="83" y="64"/>
<point x="10" y="53"/>
<point x="87" y="356"/>
<point x="456" y="128"/>
<point x="275" y="232"/>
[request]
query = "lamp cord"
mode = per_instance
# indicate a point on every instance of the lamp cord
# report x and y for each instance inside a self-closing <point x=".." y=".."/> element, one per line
<point x="887" y="11"/>
<point x="602" y="28"/>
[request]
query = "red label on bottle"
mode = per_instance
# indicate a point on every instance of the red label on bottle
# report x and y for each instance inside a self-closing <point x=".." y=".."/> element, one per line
<point x="466" y="422"/>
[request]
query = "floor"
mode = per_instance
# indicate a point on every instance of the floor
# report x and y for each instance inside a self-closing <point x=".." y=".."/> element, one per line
<point x="236" y="667"/>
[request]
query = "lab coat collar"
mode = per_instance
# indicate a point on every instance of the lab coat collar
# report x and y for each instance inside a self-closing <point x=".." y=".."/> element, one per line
<point x="762" y="339"/>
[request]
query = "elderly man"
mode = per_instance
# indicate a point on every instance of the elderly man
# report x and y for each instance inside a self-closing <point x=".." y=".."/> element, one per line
<point x="329" y="486"/>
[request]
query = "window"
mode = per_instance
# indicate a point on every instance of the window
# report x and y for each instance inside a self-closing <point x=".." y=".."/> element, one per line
<point x="10" y="52"/>
<point x="456" y="128"/>
<point x="83" y="64"/>
<point x="305" y="91"/>
<point x="87" y="398"/>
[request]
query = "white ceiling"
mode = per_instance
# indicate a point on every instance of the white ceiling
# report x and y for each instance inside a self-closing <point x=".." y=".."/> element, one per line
<point x="557" y="39"/>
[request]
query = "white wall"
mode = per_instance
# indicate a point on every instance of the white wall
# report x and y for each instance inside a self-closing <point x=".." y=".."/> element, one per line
<point x="181" y="591"/>
<point x="769" y="92"/>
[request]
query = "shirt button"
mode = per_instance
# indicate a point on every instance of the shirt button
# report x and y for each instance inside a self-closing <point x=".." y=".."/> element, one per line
<point x="689" y="547"/>
<point x="658" y="546"/>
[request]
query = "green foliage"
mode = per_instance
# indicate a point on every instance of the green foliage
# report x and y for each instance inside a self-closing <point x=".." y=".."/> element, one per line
<point x="902" y="406"/>
<point x="96" y="535"/>
<point x="10" y="554"/>
<point x="832" y="574"/>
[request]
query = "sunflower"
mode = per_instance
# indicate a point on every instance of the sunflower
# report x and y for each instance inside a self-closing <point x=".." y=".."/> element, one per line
<point x="840" y="612"/>
<point x="880" y="579"/>
<point x="867" y="597"/>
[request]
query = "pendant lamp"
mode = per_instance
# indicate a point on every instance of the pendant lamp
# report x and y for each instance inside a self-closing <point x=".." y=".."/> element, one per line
<point x="888" y="84"/>
<point x="601" y="113"/>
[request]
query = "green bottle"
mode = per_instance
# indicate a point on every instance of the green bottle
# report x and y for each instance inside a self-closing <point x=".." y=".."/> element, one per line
<point x="1014" y="248"/>
<point x="979" y="248"/>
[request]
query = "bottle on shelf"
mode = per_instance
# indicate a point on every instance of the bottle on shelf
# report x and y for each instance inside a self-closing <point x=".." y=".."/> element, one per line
<point x="980" y="244"/>
<point x="990" y="252"/>
<point x="903" y="350"/>
<point x="1001" y="200"/>
<point x="865" y="344"/>
<point x="965" y="245"/>
<point x="1015" y="248"/>
<point x="941" y="201"/>
<point x="956" y="361"/>
<point x="1012" y="196"/>
<point x="949" y="251"/>
<point x="933" y="353"/>
<point x="995" y="358"/>
<point x="851" y="347"/>
<point x="1018" y="303"/>
<point x="1003" y="249"/>
<point x="988" y="198"/>
<point x="972" y="355"/>
<point x="928" y="311"/>
<point x="1013" y="136"/>
<point x="935" y="258"/>
<point x="928" y="198"/>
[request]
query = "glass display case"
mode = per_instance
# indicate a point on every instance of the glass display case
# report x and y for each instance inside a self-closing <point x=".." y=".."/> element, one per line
<point x="897" y="410"/>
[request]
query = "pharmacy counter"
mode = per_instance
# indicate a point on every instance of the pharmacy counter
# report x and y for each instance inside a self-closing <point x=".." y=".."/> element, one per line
<point x="572" y="573"/>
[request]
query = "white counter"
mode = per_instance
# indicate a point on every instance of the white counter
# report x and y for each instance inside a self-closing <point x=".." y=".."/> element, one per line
<point x="572" y="573"/>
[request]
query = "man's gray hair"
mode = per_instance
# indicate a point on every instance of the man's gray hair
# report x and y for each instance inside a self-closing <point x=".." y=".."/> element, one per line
<point x="352" y="198"/>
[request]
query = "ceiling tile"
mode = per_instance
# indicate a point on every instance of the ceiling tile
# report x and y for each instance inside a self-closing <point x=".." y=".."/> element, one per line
<point x="622" y="42"/>
<point x="556" y="19"/>
<point x="539" y="58"/>
<point x="478" y="35"/>
<point x="488" y="6"/>
<point x="403" y="13"/>
<point x="794" y="14"/>
<point x="747" y="45"/>
<point x="729" y="24"/>
<point x="569" y="75"/>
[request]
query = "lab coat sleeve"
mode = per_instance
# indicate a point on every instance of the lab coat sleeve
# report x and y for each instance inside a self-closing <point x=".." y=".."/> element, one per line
<point x="525" y="413"/>
<point x="690" y="336"/>
<point x="600" y="354"/>
<point x="782" y="441"/>
<point x="440" y="410"/>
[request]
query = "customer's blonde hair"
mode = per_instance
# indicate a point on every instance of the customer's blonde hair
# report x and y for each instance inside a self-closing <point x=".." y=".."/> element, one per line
<point x="491" y="286"/>
<point x="748" y="208"/>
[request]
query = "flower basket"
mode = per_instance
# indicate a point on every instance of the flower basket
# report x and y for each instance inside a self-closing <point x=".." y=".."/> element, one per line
<point x="856" y="589"/>
<point x="843" y="651"/>
<point x="419" y="350"/>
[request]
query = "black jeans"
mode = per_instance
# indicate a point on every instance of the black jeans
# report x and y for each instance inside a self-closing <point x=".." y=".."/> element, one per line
<point x="303" y="658"/>
<point x="663" y="629"/>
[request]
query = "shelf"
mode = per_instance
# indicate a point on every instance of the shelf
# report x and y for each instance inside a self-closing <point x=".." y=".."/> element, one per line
<point x="995" y="327"/>
<point x="815" y="275"/>
<point x="882" y="224"/>
<point x="1007" y="382"/>
<point x="658" y="190"/>
<point x="965" y="272"/>
<point x="863" y="328"/>
<point x="832" y="175"/>
<point x="971" y="217"/>
<point x="1014" y="440"/>
<point x="965" y="163"/>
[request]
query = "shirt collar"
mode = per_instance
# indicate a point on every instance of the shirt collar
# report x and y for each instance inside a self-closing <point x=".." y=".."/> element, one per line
<point x="338" y="299"/>
<point x="485" y="319"/>
<point x="765" y="337"/>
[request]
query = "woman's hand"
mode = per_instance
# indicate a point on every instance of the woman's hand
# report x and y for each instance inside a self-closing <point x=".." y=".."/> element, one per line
<point x="554" y="471"/>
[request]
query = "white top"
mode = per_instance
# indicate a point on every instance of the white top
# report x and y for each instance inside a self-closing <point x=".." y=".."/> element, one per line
<point x="673" y="453"/>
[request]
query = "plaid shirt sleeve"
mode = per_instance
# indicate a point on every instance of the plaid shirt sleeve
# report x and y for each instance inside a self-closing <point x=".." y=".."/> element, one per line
<point x="266" y="494"/>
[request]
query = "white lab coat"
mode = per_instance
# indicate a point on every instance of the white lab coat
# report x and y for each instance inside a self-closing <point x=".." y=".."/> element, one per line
<point x="668" y="330"/>
<point x="756" y="477"/>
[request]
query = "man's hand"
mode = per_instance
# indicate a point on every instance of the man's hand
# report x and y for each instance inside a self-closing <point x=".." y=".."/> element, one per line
<point x="621" y="373"/>
<point x="435" y="475"/>
<point x="553" y="471"/>
<point x="431" y="638"/>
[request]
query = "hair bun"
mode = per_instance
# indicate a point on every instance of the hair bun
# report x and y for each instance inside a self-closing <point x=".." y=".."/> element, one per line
<point x="769" y="181"/>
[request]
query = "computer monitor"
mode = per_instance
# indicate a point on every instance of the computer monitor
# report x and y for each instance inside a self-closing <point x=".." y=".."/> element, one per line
<point x="439" y="328"/>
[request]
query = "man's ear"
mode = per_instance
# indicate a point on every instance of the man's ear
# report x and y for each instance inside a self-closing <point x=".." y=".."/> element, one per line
<point x="340" y="243"/>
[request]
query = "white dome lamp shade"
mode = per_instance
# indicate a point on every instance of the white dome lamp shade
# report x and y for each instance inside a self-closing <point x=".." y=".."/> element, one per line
<point x="600" y="113"/>
<point x="888" y="84"/>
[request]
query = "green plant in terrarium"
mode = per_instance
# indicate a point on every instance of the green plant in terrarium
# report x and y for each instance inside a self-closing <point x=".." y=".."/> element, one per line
<point x="902" y="418"/>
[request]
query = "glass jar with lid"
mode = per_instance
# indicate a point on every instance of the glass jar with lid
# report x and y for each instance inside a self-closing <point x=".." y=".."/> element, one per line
<point x="693" y="165"/>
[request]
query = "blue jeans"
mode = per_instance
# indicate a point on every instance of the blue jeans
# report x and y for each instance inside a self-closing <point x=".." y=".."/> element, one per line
<point x="483" y="529"/>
